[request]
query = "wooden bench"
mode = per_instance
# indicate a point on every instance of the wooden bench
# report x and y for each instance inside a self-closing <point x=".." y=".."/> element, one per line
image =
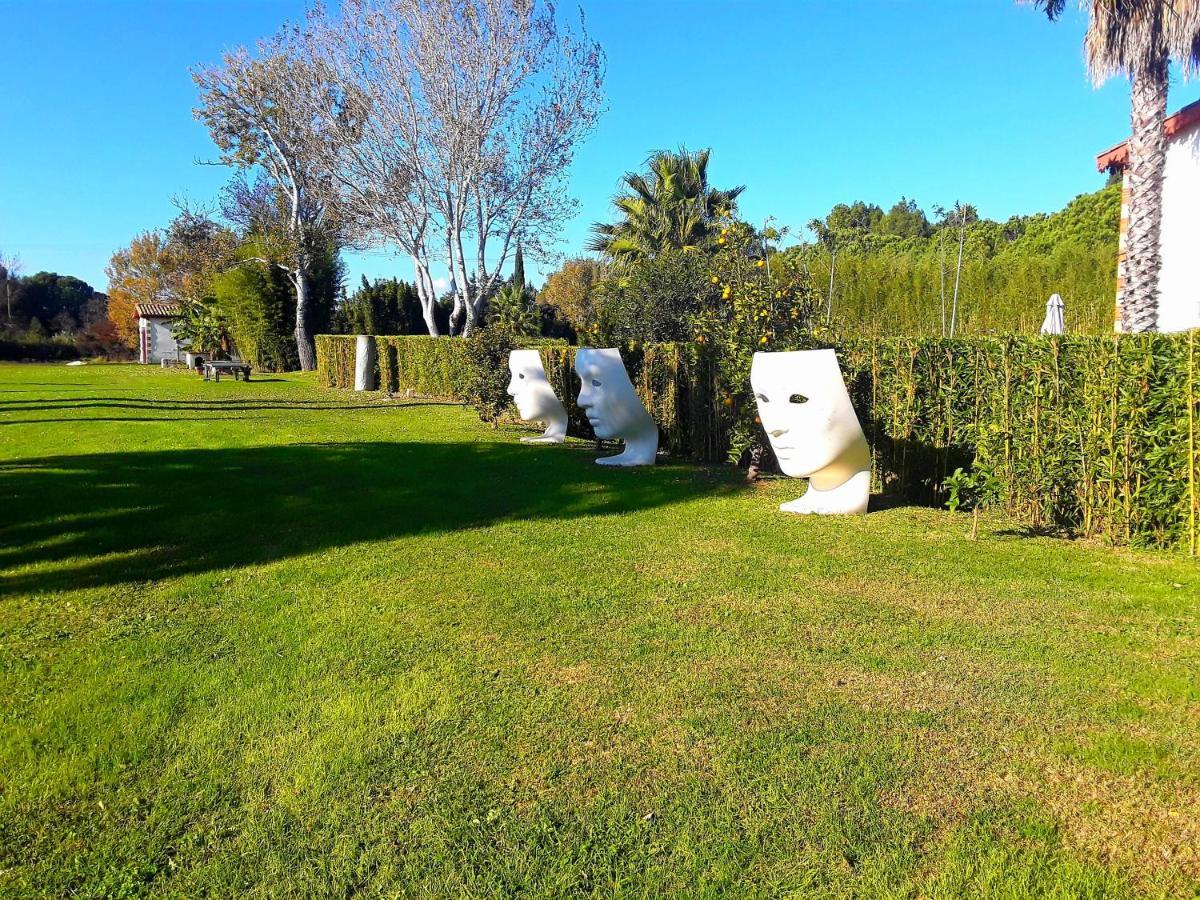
<point x="214" y="368"/>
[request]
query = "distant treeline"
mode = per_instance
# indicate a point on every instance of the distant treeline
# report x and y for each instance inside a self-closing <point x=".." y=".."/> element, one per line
<point x="47" y="316"/>
<point x="894" y="272"/>
<point x="48" y="304"/>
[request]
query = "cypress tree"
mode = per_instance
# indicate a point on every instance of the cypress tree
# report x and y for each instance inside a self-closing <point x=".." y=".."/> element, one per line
<point x="518" y="276"/>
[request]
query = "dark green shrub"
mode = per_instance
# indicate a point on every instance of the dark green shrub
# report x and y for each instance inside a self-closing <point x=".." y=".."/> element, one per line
<point x="513" y="310"/>
<point x="486" y="358"/>
<point x="37" y="351"/>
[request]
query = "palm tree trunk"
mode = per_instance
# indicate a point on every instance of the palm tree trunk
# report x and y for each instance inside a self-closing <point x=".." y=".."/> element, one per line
<point x="1147" y="162"/>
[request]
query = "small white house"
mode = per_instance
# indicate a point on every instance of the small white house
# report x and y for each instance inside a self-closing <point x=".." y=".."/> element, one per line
<point x="1179" y="278"/>
<point x="156" y="340"/>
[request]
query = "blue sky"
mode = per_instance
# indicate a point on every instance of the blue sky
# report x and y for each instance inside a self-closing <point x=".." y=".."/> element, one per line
<point x="806" y="102"/>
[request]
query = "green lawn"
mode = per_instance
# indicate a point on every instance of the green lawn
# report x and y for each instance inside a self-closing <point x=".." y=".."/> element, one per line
<point x="263" y="638"/>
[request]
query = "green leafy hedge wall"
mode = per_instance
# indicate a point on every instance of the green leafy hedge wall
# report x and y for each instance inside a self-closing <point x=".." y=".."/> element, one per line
<point x="1096" y="436"/>
<point x="429" y="366"/>
<point x="434" y="367"/>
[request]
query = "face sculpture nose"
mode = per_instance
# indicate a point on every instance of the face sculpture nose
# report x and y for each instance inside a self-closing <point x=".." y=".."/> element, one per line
<point x="778" y="432"/>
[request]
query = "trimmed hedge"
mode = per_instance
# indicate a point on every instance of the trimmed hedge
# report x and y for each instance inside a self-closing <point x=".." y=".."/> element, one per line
<point x="427" y="366"/>
<point x="37" y="351"/>
<point x="335" y="360"/>
<point x="677" y="383"/>
<point x="1095" y="436"/>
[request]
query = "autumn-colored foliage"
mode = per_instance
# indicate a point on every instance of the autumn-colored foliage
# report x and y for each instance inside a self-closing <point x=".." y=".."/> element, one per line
<point x="570" y="289"/>
<point x="139" y="273"/>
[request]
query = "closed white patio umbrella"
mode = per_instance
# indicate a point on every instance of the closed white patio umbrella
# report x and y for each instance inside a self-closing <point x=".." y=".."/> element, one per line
<point x="1053" y="323"/>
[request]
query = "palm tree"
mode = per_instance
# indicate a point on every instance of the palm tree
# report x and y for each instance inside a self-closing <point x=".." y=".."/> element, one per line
<point x="1139" y="38"/>
<point x="673" y="207"/>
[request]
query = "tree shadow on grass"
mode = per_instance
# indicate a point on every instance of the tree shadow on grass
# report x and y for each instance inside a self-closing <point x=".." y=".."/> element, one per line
<point x="164" y="420"/>
<point x="199" y="405"/>
<point x="106" y="519"/>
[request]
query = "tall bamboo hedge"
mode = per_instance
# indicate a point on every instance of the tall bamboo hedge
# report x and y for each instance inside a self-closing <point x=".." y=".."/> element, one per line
<point x="1096" y="436"/>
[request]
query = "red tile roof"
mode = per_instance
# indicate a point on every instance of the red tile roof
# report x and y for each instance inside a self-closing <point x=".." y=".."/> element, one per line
<point x="1118" y="156"/>
<point x="157" y="310"/>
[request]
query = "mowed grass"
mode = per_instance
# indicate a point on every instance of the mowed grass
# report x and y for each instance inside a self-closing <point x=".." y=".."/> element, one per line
<point x="264" y="639"/>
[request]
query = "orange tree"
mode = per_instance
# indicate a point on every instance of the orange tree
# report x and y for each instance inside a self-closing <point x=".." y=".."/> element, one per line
<point x="759" y="301"/>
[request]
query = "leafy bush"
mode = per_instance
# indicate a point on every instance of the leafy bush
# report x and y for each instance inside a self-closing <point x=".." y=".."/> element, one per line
<point x="486" y="357"/>
<point x="101" y="339"/>
<point x="976" y="490"/>
<point x="760" y="304"/>
<point x="653" y="300"/>
<point x="256" y="303"/>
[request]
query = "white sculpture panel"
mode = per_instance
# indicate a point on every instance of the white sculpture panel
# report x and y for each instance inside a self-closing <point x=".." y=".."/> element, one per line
<point x="364" y="363"/>
<point x="611" y="404"/>
<point x="806" y="411"/>
<point x="535" y="398"/>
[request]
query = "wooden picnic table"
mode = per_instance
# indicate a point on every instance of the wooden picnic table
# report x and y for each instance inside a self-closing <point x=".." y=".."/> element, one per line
<point x="214" y="368"/>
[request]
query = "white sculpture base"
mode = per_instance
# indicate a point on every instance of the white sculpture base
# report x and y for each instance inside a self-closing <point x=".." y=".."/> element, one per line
<point x="643" y="453"/>
<point x="544" y="439"/>
<point x="847" y="499"/>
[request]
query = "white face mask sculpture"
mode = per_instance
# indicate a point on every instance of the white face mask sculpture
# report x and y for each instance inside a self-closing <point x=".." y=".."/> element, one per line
<point x="607" y="397"/>
<point x="535" y="398"/>
<point x="806" y="411"/>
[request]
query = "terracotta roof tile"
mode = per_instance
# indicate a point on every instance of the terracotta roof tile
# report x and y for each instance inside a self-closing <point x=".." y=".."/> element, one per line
<point x="158" y="309"/>
<point x="1118" y="157"/>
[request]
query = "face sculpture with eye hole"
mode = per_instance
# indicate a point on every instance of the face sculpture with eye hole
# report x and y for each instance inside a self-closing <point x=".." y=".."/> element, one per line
<point x="535" y="398"/>
<point x="806" y="411"/>
<point x="612" y="406"/>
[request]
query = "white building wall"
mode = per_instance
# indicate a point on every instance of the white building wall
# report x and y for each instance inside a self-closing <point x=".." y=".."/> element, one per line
<point x="156" y="340"/>
<point x="1179" y="280"/>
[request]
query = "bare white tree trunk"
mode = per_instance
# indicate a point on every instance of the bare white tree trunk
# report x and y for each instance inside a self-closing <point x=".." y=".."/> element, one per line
<point x="426" y="294"/>
<point x="304" y="341"/>
<point x="464" y="312"/>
